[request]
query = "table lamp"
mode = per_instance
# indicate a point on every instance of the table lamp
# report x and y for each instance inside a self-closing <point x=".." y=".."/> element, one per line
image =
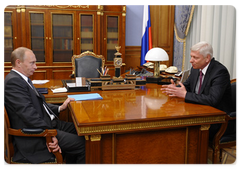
<point x="156" y="55"/>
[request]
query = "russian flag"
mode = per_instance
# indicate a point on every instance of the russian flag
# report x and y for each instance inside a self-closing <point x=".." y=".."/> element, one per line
<point x="146" y="34"/>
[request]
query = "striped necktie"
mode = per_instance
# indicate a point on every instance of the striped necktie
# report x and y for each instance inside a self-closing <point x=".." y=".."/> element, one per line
<point x="44" y="103"/>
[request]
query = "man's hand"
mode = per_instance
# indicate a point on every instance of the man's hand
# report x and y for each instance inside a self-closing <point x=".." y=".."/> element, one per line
<point x="174" y="91"/>
<point x="65" y="104"/>
<point x="54" y="145"/>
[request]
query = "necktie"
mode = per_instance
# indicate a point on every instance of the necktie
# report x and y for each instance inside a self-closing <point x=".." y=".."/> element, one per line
<point x="44" y="103"/>
<point x="200" y="80"/>
<point x="30" y="82"/>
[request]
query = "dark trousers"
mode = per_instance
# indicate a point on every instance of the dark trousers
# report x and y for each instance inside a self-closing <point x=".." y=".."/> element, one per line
<point x="72" y="145"/>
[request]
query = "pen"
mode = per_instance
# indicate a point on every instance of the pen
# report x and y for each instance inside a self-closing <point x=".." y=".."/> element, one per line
<point x="102" y="71"/>
<point x="99" y="72"/>
<point x="106" y="72"/>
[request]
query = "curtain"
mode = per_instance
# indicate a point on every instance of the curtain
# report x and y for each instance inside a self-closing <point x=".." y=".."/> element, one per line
<point x="216" y="25"/>
<point x="183" y="17"/>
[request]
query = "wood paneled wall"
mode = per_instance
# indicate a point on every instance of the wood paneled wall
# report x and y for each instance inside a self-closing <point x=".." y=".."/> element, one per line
<point x="162" y="23"/>
<point x="132" y="56"/>
<point x="162" y="20"/>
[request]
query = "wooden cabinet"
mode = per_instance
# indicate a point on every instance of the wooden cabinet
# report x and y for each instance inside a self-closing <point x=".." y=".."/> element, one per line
<point x="86" y="32"/>
<point x="56" y="33"/>
<point x="113" y="35"/>
<point x="10" y="33"/>
<point x="36" y="34"/>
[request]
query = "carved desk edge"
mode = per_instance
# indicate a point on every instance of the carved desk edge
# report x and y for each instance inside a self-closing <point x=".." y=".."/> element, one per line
<point x="55" y="99"/>
<point x="150" y="125"/>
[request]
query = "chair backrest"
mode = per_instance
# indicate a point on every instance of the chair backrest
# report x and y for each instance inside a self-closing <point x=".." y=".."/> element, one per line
<point x="86" y="64"/>
<point x="185" y="75"/>
<point x="233" y="88"/>
<point x="8" y="146"/>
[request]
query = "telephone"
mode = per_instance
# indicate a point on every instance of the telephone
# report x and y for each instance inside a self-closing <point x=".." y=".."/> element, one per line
<point x="171" y="69"/>
<point x="148" y="64"/>
<point x="163" y="67"/>
<point x="179" y="74"/>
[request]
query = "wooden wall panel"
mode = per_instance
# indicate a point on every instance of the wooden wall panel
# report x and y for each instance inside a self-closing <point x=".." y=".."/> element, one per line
<point x="61" y="74"/>
<point x="6" y="72"/>
<point x="162" y="23"/>
<point x="132" y="56"/>
<point x="39" y="75"/>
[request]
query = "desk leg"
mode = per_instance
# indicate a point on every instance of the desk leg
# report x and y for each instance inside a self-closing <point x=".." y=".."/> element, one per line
<point x="203" y="144"/>
<point x="92" y="149"/>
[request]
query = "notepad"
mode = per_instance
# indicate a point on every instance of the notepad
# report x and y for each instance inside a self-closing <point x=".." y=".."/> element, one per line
<point x="90" y="96"/>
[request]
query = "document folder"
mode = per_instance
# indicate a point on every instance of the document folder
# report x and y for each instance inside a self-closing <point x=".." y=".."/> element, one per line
<point x="42" y="90"/>
<point x="90" y="96"/>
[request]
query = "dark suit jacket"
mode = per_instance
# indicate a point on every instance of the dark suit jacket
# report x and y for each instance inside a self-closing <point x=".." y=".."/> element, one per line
<point x="215" y="90"/>
<point x="24" y="108"/>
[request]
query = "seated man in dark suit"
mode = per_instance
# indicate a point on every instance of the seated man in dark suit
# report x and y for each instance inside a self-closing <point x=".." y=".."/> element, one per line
<point x="207" y="84"/>
<point x="27" y="108"/>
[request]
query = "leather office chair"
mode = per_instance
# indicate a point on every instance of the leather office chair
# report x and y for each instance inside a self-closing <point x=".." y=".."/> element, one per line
<point x="226" y="140"/>
<point x="86" y="65"/>
<point x="185" y="75"/>
<point x="8" y="145"/>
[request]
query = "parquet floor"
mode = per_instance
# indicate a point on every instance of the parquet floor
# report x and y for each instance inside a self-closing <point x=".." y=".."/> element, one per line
<point x="228" y="155"/>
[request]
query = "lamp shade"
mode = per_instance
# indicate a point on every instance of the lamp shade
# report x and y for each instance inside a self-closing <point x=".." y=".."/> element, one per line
<point x="156" y="54"/>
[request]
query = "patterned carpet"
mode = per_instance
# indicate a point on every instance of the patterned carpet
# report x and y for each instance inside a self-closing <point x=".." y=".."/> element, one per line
<point x="228" y="156"/>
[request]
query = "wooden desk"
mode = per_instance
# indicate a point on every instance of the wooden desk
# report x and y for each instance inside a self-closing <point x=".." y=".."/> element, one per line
<point x="143" y="126"/>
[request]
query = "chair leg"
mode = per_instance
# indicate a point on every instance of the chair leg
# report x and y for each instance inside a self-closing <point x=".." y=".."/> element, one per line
<point x="220" y="155"/>
<point x="214" y="156"/>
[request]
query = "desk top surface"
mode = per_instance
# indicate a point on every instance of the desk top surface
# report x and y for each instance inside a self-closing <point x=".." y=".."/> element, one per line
<point x="121" y="106"/>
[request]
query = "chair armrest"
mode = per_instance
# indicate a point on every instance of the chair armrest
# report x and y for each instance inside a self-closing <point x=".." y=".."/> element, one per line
<point x="29" y="132"/>
<point x="32" y="131"/>
<point x="232" y="115"/>
<point x="47" y="133"/>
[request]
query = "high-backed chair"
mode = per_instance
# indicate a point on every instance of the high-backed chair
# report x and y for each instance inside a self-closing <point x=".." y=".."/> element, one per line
<point x="226" y="136"/>
<point x="86" y="65"/>
<point x="8" y="145"/>
<point x="185" y="75"/>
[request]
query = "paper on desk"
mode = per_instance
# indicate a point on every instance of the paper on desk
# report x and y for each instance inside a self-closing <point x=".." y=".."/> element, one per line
<point x="71" y="84"/>
<point x="40" y="81"/>
<point x="59" y="90"/>
<point x="90" y="96"/>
